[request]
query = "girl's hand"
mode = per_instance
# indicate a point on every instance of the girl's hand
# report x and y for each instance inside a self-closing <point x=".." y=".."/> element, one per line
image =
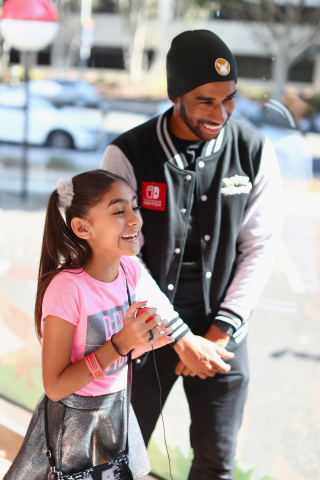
<point x="136" y="332"/>
<point x="159" y="336"/>
<point x="161" y="341"/>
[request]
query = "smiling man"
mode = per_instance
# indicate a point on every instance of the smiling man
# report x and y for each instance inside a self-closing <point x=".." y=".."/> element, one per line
<point x="209" y="188"/>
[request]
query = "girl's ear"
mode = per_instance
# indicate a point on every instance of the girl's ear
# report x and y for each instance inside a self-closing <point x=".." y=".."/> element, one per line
<point x="80" y="227"/>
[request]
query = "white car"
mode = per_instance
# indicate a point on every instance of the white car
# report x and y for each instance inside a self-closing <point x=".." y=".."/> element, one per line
<point x="48" y="125"/>
<point x="63" y="92"/>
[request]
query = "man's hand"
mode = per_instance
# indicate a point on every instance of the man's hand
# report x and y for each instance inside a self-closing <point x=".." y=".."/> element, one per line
<point x="200" y="356"/>
<point x="217" y="336"/>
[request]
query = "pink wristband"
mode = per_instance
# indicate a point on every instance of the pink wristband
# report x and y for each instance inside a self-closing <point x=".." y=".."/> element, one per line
<point x="94" y="367"/>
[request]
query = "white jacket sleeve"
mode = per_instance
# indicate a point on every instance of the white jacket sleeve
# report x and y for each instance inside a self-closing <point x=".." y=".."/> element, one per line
<point x="115" y="161"/>
<point x="257" y="244"/>
<point x="147" y="289"/>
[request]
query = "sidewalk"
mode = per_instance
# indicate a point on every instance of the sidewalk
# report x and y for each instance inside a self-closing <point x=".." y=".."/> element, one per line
<point x="13" y="424"/>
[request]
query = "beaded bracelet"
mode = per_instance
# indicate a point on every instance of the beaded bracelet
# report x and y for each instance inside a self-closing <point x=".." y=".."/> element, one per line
<point x="94" y="367"/>
<point x="116" y="348"/>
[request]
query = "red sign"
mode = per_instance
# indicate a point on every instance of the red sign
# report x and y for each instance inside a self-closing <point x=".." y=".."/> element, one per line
<point x="154" y="195"/>
<point x="35" y="10"/>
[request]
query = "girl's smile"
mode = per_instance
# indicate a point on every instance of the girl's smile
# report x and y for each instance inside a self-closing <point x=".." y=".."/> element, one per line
<point x="115" y="223"/>
<point x="131" y="238"/>
<point x="112" y="229"/>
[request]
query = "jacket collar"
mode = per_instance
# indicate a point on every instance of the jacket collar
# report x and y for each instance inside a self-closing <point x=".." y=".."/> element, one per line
<point x="170" y="151"/>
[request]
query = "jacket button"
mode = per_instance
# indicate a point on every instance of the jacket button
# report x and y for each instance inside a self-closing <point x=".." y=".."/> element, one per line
<point x="138" y="361"/>
<point x="188" y="177"/>
<point x="201" y="164"/>
<point x="177" y="250"/>
<point x="170" y="286"/>
<point x="207" y="238"/>
<point x="183" y="211"/>
<point x="204" y="198"/>
<point x="208" y="274"/>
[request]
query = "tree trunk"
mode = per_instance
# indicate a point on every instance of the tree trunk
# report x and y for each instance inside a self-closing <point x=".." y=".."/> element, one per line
<point x="280" y="68"/>
<point x="137" y="58"/>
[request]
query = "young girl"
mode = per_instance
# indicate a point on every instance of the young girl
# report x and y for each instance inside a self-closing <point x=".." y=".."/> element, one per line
<point x="87" y="329"/>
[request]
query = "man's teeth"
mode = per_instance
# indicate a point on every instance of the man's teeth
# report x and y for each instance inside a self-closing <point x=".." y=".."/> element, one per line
<point x="211" y="127"/>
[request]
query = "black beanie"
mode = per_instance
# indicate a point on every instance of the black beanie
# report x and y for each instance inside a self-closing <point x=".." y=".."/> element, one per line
<point x="197" y="57"/>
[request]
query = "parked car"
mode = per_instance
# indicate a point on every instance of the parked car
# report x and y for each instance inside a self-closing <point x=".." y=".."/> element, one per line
<point x="67" y="92"/>
<point x="48" y="125"/>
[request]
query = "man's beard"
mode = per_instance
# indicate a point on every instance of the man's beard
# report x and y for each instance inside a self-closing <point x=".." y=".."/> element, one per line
<point x="196" y="127"/>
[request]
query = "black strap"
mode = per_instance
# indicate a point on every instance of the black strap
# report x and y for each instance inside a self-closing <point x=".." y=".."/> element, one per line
<point x="49" y="451"/>
<point x="129" y="381"/>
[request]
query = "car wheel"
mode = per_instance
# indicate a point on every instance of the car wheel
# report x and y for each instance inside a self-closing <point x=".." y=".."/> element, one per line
<point x="60" y="139"/>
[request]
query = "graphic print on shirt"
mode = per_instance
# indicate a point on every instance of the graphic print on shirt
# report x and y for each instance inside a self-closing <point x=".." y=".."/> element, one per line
<point x="100" y="327"/>
<point x="153" y="195"/>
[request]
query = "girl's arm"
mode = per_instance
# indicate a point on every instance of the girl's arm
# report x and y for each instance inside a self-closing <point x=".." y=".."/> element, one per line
<point x="62" y="378"/>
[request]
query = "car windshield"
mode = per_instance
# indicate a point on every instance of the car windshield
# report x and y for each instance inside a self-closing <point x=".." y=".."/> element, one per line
<point x="16" y="98"/>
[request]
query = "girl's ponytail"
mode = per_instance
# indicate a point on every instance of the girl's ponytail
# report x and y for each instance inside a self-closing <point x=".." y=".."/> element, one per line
<point x="61" y="248"/>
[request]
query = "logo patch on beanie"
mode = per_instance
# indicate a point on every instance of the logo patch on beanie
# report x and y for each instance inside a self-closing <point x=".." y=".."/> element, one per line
<point x="222" y="66"/>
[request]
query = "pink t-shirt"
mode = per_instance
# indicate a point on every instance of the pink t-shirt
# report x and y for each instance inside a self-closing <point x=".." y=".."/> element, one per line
<point x="97" y="309"/>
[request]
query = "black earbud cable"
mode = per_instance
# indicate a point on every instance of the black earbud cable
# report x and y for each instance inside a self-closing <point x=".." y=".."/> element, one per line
<point x="161" y="414"/>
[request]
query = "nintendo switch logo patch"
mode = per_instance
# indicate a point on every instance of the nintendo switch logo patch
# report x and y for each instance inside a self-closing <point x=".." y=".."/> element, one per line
<point x="154" y="195"/>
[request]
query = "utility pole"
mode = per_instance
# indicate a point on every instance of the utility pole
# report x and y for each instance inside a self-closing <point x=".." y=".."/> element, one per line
<point x="87" y="26"/>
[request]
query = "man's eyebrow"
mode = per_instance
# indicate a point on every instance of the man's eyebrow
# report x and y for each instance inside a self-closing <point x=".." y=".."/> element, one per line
<point x="232" y="94"/>
<point x="213" y="98"/>
<point x="120" y="200"/>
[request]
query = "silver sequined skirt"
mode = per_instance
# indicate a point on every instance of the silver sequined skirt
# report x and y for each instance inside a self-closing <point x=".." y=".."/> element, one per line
<point x="84" y="432"/>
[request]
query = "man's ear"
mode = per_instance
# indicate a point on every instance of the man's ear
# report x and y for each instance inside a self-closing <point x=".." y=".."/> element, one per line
<point x="80" y="227"/>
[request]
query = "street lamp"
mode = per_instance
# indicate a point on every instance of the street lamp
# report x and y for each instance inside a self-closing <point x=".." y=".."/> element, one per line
<point x="28" y="26"/>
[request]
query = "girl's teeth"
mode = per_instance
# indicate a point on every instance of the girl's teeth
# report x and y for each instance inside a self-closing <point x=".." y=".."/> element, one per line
<point x="130" y="237"/>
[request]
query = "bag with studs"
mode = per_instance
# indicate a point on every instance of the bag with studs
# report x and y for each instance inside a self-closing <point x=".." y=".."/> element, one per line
<point x="116" y="469"/>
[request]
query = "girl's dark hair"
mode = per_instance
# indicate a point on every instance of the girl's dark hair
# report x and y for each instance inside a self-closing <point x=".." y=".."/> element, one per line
<point x="61" y="248"/>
